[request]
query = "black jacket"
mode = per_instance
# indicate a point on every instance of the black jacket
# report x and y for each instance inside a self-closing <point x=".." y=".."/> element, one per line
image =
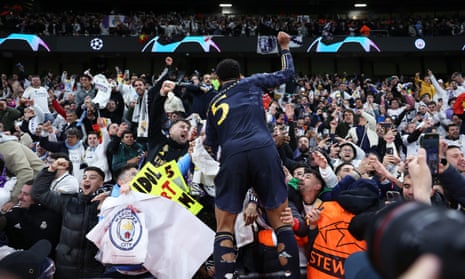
<point x="74" y="253"/>
<point x="161" y="148"/>
<point x="26" y="226"/>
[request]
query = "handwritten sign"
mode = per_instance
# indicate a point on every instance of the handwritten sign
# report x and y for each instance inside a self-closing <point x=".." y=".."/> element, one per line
<point x="165" y="181"/>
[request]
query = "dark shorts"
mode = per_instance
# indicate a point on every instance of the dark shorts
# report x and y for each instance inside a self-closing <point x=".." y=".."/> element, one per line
<point x="260" y="169"/>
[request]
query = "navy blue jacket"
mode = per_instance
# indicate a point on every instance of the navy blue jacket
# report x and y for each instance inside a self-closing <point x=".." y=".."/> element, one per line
<point x="236" y="116"/>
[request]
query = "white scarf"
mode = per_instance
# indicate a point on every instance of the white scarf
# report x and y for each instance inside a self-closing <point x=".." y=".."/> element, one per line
<point x="140" y="116"/>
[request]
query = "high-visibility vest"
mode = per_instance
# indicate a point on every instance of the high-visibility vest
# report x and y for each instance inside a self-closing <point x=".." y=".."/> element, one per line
<point x="333" y="243"/>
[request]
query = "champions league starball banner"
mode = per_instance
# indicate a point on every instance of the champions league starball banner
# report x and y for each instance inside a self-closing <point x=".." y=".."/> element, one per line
<point x="210" y="44"/>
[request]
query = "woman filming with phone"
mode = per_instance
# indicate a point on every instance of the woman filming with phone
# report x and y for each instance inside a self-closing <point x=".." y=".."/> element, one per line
<point x="388" y="150"/>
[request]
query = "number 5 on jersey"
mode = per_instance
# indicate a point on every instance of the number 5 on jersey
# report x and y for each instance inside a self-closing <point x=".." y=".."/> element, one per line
<point x="224" y="107"/>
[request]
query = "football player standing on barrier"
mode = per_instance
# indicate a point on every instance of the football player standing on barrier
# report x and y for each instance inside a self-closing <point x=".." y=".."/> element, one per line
<point x="236" y="123"/>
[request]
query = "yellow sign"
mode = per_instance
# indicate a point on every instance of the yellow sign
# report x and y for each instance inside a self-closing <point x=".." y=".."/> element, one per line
<point x="165" y="181"/>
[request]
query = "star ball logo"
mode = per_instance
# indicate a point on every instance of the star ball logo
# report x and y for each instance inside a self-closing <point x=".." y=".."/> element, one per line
<point x="32" y="40"/>
<point x="96" y="44"/>
<point x="205" y="42"/>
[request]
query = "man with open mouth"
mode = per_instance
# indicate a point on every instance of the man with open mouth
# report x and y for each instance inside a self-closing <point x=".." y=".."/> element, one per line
<point x="74" y="253"/>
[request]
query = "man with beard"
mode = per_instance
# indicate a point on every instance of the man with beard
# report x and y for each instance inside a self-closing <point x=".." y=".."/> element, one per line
<point x="454" y="138"/>
<point x="301" y="153"/>
<point x="138" y="112"/>
<point x="165" y="148"/>
<point x="30" y="221"/>
<point x="456" y="158"/>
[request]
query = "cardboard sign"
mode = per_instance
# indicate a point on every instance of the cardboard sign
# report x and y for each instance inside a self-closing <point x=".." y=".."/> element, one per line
<point x="165" y="181"/>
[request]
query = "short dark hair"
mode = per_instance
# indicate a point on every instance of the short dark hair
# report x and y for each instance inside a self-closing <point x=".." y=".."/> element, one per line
<point x="351" y="146"/>
<point x="449" y="147"/>
<point x="451" y="100"/>
<point x="228" y="69"/>
<point x="349" y="111"/>
<point x="138" y="79"/>
<point x="180" y="120"/>
<point x="451" y="125"/>
<point x="124" y="168"/>
<point x="92" y="132"/>
<point x="299" y="137"/>
<point x="29" y="182"/>
<point x="317" y="174"/>
<point x="98" y="170"/>
<point x="299" y="164"/>
<point x="127" y="132"/>
<point x="339" y="167"/>
<point x="85" y="75"/>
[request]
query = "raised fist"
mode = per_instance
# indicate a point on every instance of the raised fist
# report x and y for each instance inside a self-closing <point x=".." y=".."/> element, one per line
<point x="283" y="40"/>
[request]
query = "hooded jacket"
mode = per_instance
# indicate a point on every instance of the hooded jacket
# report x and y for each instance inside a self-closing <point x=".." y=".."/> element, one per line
<point x="20" y="161"/>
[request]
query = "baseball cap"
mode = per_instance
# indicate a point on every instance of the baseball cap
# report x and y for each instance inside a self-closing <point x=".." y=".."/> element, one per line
<point x="27" y="264"/>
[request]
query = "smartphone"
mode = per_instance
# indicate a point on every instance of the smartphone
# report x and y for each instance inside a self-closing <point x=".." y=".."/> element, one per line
<point x="393" y="196"/>
<point x="430" y="142"/>
<point x="331" y="139"/>
<point x="386" y="126"/>
<point x="285" y="130"/>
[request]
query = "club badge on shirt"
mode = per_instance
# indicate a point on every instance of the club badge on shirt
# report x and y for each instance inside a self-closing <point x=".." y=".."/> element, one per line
<point x="43" y="225"/>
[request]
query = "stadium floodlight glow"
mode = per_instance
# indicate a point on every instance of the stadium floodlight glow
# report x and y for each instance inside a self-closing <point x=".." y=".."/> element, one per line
<point x="360" y="5"/>
<point x="225" y="5"/>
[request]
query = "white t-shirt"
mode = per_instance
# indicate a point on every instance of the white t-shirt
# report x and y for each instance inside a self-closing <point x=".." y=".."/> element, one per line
<point x="460" y="142"/>
<point x="65" y="184"/>
<point x="412" y="147"/>
<point x="40" y="97"/>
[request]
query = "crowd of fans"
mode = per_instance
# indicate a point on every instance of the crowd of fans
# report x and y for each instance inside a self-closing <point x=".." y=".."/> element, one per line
<point x="330" y="130"/>
<point x="172" y="24"/>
